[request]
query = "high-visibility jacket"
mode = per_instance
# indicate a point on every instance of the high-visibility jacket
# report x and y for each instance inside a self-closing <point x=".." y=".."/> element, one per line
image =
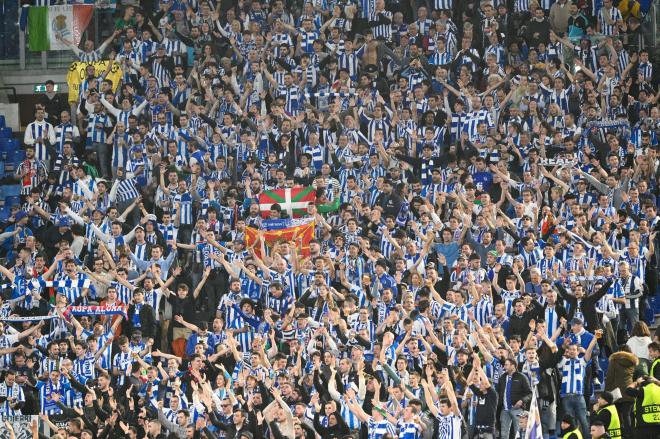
<point x="576" y="432"/>
<point x="647" y="409"/>
<point x="614" y="428"/>
<point x="654" y="366"/>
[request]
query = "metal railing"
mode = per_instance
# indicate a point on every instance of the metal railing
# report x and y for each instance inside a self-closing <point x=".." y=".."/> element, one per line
<point x="654" y="17"/>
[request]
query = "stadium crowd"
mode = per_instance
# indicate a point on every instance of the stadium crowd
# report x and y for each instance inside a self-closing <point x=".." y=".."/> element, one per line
<point x="485" y="251"/>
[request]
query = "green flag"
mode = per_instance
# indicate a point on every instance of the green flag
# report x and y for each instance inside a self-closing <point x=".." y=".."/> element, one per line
<point x="38" y="28"/>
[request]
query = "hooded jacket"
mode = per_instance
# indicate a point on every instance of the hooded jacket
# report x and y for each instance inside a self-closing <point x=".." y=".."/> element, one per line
<point x="620" y="373"/>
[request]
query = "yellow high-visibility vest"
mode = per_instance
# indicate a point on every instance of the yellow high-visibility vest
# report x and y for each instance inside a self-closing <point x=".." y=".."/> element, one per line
<point x="577" y="432"/>
<point x="655" y="364"/>
<point x="614" y="428"/>
<point x="648" y="413"/>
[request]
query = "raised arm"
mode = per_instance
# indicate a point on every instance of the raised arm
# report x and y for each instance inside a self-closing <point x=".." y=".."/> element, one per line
<point x="590" y="348"/>
<point x="200" y="286"/>
<point x="8" y="274"/>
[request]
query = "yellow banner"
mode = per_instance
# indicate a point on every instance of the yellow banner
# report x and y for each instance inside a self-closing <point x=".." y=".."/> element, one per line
<point x="77" y="74"/>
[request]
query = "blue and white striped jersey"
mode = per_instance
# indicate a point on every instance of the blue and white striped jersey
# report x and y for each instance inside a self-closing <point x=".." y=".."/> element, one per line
<point x="63" y="132"/>
<point x="46" y="391"/>
<point x="376" y="430"/>
<point x="96" y="126"/>
<point x="614" y="15"/>
<point x="11" y="395"/>
<point x="383" y="30"/>
<point x="40" y="134"/>
<point x="572" y="376"/>
<point x="122" y="364"/>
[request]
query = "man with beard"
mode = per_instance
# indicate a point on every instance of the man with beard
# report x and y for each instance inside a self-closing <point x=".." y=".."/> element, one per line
<point x="41" y="135"/>
<point x="389" y="202"/>
<point x="31" y="171"/>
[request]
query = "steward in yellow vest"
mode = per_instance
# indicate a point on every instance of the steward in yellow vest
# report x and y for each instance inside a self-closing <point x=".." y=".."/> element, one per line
<point x="570" y="429"/>
<point x="607" y="413"/>
<point x="613" y="426"/>
<point x="646" y="391"/>
<point x="654" y="353"/>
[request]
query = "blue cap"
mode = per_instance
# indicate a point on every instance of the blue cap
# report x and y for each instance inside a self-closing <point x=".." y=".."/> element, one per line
<point x="20" y="215"/>
<point x="63" y="222"/>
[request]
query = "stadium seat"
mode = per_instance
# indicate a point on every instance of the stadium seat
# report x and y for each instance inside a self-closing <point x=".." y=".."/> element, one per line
<point x="15" y="157"/>
<point x="7" y="146"/>
<point x="13" y="190"/>
<point x="4" y="148"/>
<point x="5" y="132"/>
<point x="2" y="121"/>
<point x="13" y="201"/>
<point x="4" y="214"/>
<point x="13" y="144"/>
<point x="654" y="303"/>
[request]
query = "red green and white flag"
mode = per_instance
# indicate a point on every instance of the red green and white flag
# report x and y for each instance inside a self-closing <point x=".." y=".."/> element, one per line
<point x="294" y="201"/>
<point x="57" y="27"/>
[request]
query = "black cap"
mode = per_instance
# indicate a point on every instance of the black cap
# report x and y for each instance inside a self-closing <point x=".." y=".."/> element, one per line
<point x="607" y="396"/>
<point x="370" y="69"/>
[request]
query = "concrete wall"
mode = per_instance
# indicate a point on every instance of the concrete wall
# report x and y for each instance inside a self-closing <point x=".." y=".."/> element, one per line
<point x="11" y="113"/>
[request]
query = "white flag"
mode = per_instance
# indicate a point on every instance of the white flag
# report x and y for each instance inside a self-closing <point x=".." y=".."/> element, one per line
<point x="534" y="429"/>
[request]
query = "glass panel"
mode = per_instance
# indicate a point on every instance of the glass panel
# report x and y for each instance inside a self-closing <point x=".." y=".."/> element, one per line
<point x="9" y="35"/>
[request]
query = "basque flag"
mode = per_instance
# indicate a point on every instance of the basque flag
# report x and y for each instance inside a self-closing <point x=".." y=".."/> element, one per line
<point x="293" y="201"/>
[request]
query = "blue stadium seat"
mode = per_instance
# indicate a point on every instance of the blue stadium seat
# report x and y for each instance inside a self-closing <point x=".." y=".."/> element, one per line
<point x="13" y="190"/>
<point x="654" y="303"/>
<point x="13" y="201"/>
<point x="13" y="144"/>
<point x="15" y="157"/>
<point x="7" y="146"/>
<point x="5" y="132"/>
<point x="5" y="212"/>
<point x="2" y="121"/>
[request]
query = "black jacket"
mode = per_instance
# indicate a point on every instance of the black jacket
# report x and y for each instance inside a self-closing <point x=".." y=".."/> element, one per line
<point x="147" y="321"/>
<point x="519" y="325"/>
<point x="338" y="430"/>
<point x="54" y="107"/>
<point x="250" y="425"/>
<point x="541" y="29"/>
<point x="520" y="389"/>
<point x="587" y="305"/>
<point x="391" y="203"/>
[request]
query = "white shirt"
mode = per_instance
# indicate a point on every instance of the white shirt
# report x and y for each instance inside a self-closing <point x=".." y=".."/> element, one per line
<point x="639" y="346"/>
<point x="29" y="138"/>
